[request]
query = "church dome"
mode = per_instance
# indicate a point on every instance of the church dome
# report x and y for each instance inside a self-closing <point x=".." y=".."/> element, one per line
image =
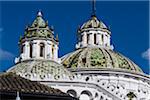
<point x="39" y="28"/>
<point x="39" y="21"/>
<point x="94" y="58"/>
<point x="93" y="23"/>
<point x="40" y="68"/>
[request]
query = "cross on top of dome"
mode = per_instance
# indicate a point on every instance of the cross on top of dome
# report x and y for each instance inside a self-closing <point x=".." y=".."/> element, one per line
<point x="93" y="8"/>
<point x="39" y="14"/>
<point x="94" y="32"/>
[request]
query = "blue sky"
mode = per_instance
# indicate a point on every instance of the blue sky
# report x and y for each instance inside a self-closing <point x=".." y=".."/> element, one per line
<point x="128" y="21"/>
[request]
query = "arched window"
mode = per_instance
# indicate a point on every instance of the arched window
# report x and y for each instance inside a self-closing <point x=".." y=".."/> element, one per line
<point x="52" y="51"/>
<point x="81" y="38"/>
<point x="72" y="93"/>
<point x="88" y="37"/>
<point x="22" y="48"/>
<point x="85" y="95"/>
<point x="42" y="49"/>
<point x="94" y="38"/>
<point x="102" y="38"/>
<point x="31" y="50"/>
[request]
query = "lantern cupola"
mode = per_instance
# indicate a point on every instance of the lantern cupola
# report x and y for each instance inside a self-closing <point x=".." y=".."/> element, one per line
<point x="38" y="41"/>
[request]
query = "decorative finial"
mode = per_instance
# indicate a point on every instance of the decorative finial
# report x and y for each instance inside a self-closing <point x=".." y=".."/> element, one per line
<point x="52" y="27"/>
<point x="57" y="38"/>
<point x="79" y="29"/>
<point x="26" y="27"/>
<point x="39" y="13"/>
<point x="18" y="98"/>
<point x="109" y="27"/>
<point x="47" y="23"/>
<point x="93" y="8"/>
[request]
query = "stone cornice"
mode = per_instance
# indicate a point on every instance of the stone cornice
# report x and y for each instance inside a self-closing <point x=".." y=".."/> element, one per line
<point x="110" y="71"/>
<point x="94" y="29"/>
<point x="39" y="38"/>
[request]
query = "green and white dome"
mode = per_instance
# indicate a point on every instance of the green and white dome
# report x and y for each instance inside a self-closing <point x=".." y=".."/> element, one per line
<point x="93" y="23"/>
<point x="39" y="21"/>
<point x="92" y="58"/>
<point x="42" y="68"/>
<point x="39" y="28"/>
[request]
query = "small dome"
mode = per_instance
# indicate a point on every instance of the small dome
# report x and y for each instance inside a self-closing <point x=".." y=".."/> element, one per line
<point x="39" y="28"/>
<point x="39" y="21"/>
<point x="41" y="68"/>
<point x="98" y="58"/>
<point x="93" y="23"/>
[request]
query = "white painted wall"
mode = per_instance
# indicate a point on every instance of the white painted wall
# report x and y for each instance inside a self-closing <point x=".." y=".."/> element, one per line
<point x="36" y="51"/>
<point x="110" y="87"/>
<point x="99" y="42"/>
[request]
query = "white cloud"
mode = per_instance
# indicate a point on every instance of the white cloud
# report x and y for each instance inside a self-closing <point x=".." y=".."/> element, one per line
<point x="5" y="55"/>
<point x="1" y="29"/>
<point x="146" y="54"/>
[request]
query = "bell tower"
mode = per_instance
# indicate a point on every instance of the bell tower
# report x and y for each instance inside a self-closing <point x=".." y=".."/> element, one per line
<point x="94" y="33"/>
<point x="38" y="42"/>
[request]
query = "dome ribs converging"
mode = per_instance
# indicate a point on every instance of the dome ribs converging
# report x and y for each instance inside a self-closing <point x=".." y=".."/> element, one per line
<point x="40" y="69"/>
<point x="92" y="58"/>
<point x="125" y="63"/>
<point x="103" y="57"/>
<point x="83" y="58"/>
<point x="73" y="63"/>
<point x="88" y="53"/>
<point x="106" y="57"/>
<point x="111" y="58"/>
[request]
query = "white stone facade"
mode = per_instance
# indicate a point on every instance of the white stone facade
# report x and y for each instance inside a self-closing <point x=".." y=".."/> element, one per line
<point x="108" y="86"/>
<point x="50" y="50"/>
<point x="94" y="37"/>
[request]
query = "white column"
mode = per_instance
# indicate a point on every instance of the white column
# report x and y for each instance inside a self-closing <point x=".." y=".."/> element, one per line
<point x="48" y="51"/>
<point x="91" y="42"/>
<point x="34" y="50"/>
<point x="55" y="52"/>
<point x="105" y="40"/>
<point x="45" y="50"/>
<point x="38" y="50"/>
<point x="84" y="39"/>
<point x="27" y="49"/>
<point x="98" y="39"/>
<point x="109" y="40"/>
